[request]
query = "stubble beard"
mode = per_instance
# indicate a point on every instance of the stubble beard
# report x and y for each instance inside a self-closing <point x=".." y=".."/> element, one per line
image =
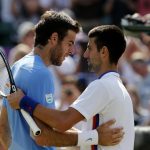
<point x="94" y="68"/>
<point x="90" y="67"/>
<point x="55" y="56"/>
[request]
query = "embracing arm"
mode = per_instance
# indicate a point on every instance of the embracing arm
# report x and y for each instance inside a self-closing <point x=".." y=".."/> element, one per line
<point x="5" y="136"/>
<point x="51" y="137"/>
<point x="62" y="120"/>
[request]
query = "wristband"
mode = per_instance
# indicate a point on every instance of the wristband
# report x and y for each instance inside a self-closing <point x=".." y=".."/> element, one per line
<point x="28" y="104"/>
<point x="87" y="138"/>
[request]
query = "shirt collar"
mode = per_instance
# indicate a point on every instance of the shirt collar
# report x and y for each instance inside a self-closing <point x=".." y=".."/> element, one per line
<point x="109" y="72"/>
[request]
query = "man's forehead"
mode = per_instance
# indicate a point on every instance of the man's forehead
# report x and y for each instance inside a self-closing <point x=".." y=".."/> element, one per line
<point x="70" y="34"/>
<point x="91" y="41"/>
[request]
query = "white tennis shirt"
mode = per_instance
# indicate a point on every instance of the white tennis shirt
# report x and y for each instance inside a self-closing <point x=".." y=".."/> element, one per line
<point x="109" y="98"/>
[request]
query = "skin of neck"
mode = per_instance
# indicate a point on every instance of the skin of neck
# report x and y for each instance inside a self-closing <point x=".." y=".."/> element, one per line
<point x="106" y="67"/>
<point x="44" y="53"/>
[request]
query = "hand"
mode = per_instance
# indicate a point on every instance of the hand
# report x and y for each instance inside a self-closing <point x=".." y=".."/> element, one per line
<point x="109" y="136"/>
<point x="14" y="99"/>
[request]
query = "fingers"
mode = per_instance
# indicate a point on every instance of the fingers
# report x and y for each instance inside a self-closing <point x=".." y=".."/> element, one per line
<point x="16" y="95"/>
<point x="116" y="130"/>
<point x="14" y="99"/>
<point x="105" y="126"/>
<point x="116" y="142"/>
<point x="109" y="123"/>
<point x="117" y="134"/>
<point x="110" y="136"/>
<point x="117" y="139"/>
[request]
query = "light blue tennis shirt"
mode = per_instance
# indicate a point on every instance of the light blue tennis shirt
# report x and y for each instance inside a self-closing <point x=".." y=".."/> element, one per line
<point x="35" y="79"/>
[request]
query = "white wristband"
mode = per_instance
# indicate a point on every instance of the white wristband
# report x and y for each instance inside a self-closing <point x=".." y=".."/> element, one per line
<point x="88" y="138"/>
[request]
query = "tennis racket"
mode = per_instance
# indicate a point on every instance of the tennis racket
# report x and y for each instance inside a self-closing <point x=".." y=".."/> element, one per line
<point x="7" y="86"/>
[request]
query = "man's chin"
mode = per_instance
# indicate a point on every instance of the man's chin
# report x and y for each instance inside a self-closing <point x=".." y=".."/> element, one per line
<point x="90" y="69"/>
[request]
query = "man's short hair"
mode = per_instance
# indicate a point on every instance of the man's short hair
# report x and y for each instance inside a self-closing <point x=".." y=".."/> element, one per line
<point x="112" y="37"/>
<point x="52" y="21"/>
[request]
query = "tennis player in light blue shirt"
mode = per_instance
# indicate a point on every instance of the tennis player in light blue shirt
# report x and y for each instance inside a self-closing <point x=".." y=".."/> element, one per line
<point x="54" y="40"/>
<point x="31" y="75"/>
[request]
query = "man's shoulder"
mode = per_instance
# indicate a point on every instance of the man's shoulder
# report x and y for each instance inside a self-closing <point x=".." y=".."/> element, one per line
<point x="97" y="83"/>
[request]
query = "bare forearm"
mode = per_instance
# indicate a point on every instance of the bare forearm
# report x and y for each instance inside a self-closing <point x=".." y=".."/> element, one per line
<point x="51" y="137"/>
<point x="60" y="120"/>
<point x="48" y="116"/>
<point x="55" y="138"/>
<point x="5" y="137"/>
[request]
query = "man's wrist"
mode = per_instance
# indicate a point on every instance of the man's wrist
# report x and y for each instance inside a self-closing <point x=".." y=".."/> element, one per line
<point x="28" y="104"/>
<point x="88" y="138"/>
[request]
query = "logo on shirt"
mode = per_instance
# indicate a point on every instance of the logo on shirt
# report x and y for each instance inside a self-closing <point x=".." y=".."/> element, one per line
<point x="89" y="139"/>
<point x="49" y="98"/>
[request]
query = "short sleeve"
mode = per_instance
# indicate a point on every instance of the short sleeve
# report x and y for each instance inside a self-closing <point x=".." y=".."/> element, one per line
<point x="93" y="100"/>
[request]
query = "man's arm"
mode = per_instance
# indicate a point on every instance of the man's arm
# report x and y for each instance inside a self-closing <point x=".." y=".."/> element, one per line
<point x="51" y="137"/>
<point x="107" y="137"/>
<point x="67" y="118"/>
<point x="51" y="117"/>
<point x="5" y="136"/>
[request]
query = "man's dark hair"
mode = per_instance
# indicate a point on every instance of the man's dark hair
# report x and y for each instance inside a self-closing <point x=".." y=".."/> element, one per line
<point x="52" y="21"/>
<point x="112" y="37"/>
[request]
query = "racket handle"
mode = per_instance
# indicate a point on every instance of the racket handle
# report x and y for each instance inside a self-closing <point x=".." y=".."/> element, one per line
<point x="33" y="126"/>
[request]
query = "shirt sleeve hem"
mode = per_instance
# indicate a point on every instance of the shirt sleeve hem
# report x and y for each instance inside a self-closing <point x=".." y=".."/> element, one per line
<point x="82" y="111"/>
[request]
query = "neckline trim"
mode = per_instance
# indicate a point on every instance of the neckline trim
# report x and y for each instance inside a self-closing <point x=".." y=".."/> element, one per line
<point x="106" y="73"/>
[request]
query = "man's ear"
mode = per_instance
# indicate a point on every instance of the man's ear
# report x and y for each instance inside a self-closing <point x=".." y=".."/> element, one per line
<point x="104" y="51"/>
<point x="53" y="38"/>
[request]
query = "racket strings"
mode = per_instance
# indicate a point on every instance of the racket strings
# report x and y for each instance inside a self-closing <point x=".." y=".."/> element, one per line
<point x="4" y="78"/>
